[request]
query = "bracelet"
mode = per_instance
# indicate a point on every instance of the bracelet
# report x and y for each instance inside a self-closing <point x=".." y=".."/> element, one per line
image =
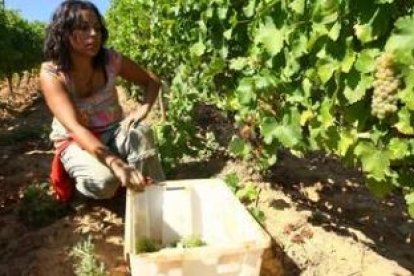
<point x="110" y="162"/>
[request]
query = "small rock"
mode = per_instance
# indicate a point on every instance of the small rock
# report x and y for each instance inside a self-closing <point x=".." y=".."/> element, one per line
<point x="306" y="232"/>
<point x="297" y="238"/>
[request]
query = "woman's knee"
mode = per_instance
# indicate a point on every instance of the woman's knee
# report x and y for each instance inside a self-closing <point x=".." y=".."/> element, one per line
<point x="103" y="185"/>
<point x="93" y="179"/>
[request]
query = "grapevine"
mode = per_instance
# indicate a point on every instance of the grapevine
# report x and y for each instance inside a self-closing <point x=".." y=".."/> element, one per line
<point x="20" y="45"/>
<point x="305" y="69"/>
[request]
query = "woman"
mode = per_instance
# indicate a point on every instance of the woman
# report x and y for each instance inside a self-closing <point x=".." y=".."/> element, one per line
<point x="96" y="147"/>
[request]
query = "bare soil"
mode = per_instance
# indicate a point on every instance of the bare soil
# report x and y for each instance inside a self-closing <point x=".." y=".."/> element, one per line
<point x="321" y="218"/>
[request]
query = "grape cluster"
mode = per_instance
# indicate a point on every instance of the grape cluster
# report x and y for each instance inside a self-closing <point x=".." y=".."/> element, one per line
<point x="384" y="100"/>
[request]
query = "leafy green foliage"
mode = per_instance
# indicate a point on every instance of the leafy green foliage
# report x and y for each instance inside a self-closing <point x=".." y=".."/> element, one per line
<point x="410" y="202"/>
<point x="39" y="208"/>
<point x="86" y="263"/>
<point x="247" y="193"/>
<point x="147" y="245"/>
<point x="191" y="242"/>
<point x="233" y="182"/>
<point x="305" y="69"/>
<point x="20" y="43"/>
<point x="258" y="214"/>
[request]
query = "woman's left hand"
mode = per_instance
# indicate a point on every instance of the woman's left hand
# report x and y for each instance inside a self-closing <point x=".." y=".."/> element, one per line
<point x="135" y="117"/>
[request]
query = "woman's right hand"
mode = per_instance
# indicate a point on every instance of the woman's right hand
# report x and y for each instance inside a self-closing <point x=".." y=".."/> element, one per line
<point x="128" y="176"/>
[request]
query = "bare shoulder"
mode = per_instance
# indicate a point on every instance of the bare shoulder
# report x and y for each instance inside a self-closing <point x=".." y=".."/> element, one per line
<point x="49" y="69"/>
<point x="47" y="65"/>
<point x="114" y="60"/>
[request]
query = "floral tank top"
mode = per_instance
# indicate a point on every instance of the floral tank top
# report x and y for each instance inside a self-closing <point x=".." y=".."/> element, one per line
<point x="99" y="112"/>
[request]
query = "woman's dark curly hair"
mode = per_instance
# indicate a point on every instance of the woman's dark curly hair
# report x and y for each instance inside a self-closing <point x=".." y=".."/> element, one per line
<point x="65" y="20"/>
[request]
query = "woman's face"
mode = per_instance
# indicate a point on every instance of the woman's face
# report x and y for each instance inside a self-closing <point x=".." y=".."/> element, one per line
<point x="86" y="38"/>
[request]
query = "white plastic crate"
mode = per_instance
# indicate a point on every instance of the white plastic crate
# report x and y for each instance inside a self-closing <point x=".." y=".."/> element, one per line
<point x="202" y="207"/>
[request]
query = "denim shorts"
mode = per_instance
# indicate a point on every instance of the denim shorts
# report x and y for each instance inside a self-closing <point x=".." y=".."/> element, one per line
<point x="95" y="180"/>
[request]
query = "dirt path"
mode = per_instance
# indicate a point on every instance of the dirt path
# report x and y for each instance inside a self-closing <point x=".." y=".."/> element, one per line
<point x="322" y="220"/>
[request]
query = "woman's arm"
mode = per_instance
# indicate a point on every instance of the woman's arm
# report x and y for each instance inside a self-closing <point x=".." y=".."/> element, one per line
<point x="59" y="103"/>
<point x="132" y="72"/>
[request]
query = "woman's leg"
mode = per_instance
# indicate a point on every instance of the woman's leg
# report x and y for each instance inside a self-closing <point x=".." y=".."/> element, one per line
<point x="93" y="179"/>
<point x="137" y="147"/>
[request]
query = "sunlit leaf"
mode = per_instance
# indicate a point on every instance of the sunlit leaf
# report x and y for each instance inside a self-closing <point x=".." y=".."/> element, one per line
<point x="325" y="116"/>
<point x="298" y="6"/>
<point x="405" y="124"/>
<point x="238" y="147"/>
<point x="347" y="139"/>
<point x="401" y="41"/>
<point x="326" y="68"/>
<point x="398" y="148"/>
<point x="374" y="161"/>
<point x="335" y="31"/>
<point x="249" y="9"/>
<point x="356" y="86"/>
<point x="366" y="60"/>
<point x="268" y="129"/>
<point x="271" y="37"/>
<point x="409" y="198"/>
<point x="198" y="49"/>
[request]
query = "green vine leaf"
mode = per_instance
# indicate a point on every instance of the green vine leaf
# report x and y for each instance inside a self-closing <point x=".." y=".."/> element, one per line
<point x="356" y="86"/>
<point x="238" y="147"/>
<point x="249" y="9"/>
<point x="405" y="125"/>
<point x="372" y="23"/>
<point x="299" y="46"/>
<point x="411" y="210"/>
<point x="366" y="60"/>
<point x="298" y="6"/>
<point x="401" y="42"/>
<point x="348" y="61"/>
<point x="375" y="162"/>
<point x="289" y="133"/>
<point x="198" y="49"/>
<point x="398" y="149"/>
<point x="268" y="129"/>
<point x="384" y="1"/>
<point x="364" y="32"/>
<point x="271" y="37"/>
<point x="347" y="139"/>
<point x="318" y="31"/>
<point x="326" y="11"/>
<point x="335" y="31"/>
<point x="325" y="116"/>
<point x="239" y="63"/>
<point x="407" y="95"/>
<point x="409" y="198"/>
<point x="246" y="91"/>
<point x="379" y="188"/>
<point x="326" y="68"/>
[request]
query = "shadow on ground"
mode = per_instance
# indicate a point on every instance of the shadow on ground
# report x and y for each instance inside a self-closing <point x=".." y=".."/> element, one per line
<point x="25" y="151"/>
<point x="339" y="201"/>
